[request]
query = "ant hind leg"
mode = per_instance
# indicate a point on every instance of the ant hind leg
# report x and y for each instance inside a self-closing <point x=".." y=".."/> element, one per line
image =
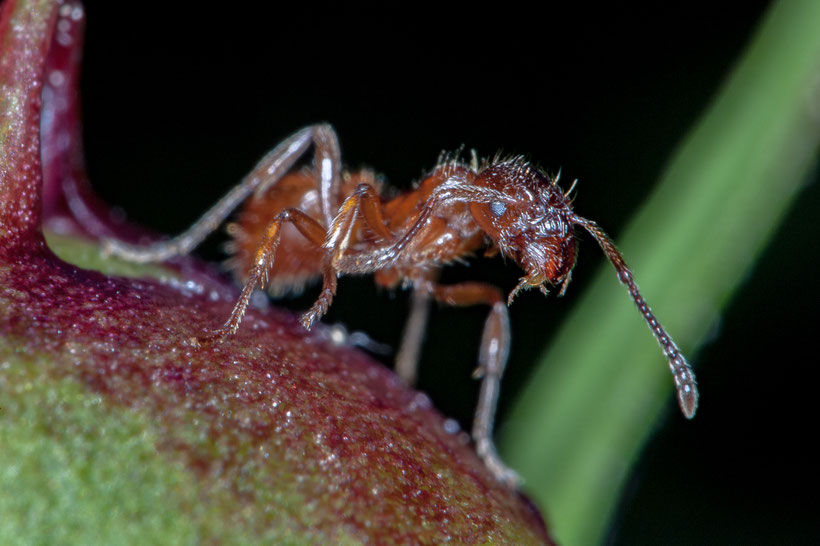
<point x="268" y="171"/>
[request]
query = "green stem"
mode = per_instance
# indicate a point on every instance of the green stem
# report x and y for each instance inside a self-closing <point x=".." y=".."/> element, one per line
<point x="603" y="382"/>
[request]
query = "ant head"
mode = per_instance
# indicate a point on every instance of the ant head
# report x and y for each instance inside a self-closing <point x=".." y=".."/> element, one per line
<point x="531" y="222"/>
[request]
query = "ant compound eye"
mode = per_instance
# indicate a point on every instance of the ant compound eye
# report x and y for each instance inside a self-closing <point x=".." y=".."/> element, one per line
<point x="498" y="207"/>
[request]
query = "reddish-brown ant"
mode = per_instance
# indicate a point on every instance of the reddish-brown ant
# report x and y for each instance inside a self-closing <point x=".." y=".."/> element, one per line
<point x="403" y="240"/>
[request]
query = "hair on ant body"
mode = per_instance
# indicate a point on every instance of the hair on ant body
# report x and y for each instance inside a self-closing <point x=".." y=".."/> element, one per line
<point x="351" y="229"/>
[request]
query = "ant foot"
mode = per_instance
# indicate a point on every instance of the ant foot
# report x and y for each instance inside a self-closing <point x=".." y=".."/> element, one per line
<point x="308" y="319"/>
<point x="157" y="252"/>
<point x="316" y="312"/>
<point x="218" y="336"/>
<point x="504" y="474"/>
<point x="108" y="246"/>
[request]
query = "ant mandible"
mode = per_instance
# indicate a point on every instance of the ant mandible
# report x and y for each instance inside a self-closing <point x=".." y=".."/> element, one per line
<point x="404" y="240"/>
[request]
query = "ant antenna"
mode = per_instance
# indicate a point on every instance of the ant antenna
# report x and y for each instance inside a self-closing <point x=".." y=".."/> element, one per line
<point x="685" y="385"/>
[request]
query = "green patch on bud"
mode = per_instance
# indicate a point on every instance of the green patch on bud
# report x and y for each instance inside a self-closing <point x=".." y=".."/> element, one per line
<point x="75" y="470"/>
<point x="86" y="253"/>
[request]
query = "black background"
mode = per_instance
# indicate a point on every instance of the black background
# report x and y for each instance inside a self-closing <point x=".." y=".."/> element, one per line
<point x="180" y="102"/>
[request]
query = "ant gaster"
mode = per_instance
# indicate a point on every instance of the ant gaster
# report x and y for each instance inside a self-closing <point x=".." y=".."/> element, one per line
<point x="350" y="228"/>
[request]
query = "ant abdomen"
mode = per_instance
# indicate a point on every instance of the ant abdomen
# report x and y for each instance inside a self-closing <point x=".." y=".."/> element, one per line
<point x="296" y="263"/>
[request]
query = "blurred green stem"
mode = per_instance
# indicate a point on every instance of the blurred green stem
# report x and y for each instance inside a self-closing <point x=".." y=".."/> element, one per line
<point x="591" y="404"/>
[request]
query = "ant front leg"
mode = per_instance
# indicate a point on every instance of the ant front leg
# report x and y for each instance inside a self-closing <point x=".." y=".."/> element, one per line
<point x="492" y="357"/>
<point x="312" y="230"/>
<point x="364" y="202"/>
<point x="268" y="171"/>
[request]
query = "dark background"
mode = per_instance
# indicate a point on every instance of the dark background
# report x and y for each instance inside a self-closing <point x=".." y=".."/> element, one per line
<point x="179" y="103"/>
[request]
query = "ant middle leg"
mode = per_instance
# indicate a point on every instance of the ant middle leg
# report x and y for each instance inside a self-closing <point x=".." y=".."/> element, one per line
<point x="412" y="339"/>
<point x="492" y="357"/>
<point x="267" y="172"/>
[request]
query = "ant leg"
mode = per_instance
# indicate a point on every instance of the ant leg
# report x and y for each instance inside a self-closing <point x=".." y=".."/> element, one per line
<point x="263" y="260"/>
<point x="407" y="359"/>
<point x="269" y="170"/>
<point x="322" y="303"/>
<point x="492" y="357"/>
<point x="454" y="190"/>
<point x="329" y="164"/>
<point x="412" y="340"/>
<point x="363" y="201"/>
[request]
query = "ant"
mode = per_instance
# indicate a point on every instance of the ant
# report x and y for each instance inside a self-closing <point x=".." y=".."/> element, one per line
<point x="322" y="222"/>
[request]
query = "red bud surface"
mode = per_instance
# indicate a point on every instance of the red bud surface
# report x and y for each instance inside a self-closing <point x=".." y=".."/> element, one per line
<point x="115" y="427"/>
